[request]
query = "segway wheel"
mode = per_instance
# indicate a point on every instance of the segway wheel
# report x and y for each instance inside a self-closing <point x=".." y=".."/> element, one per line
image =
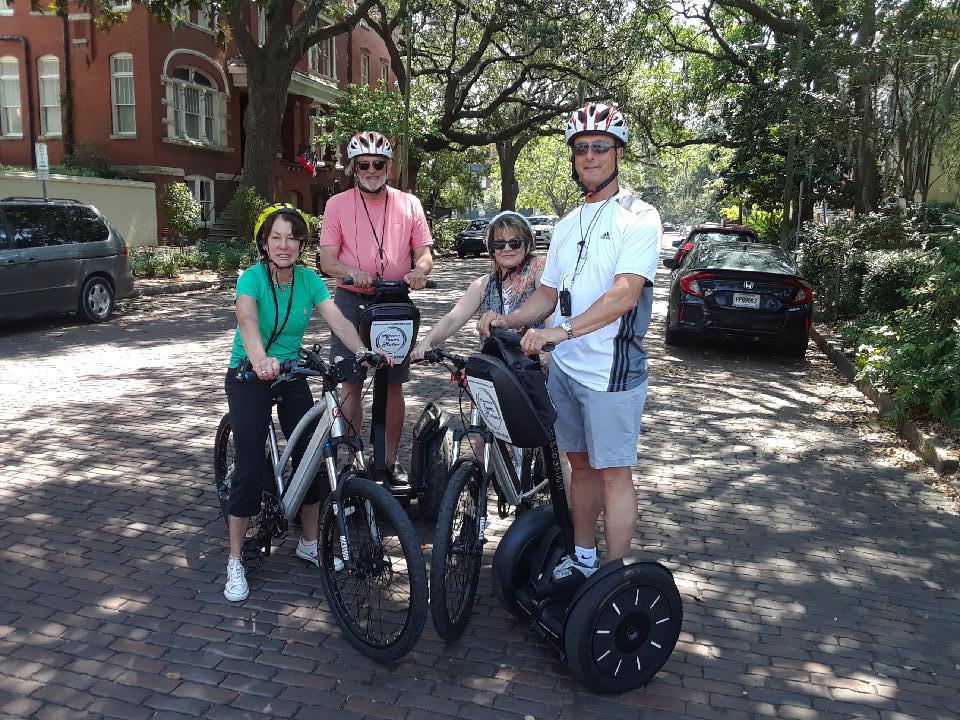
<point x="436" y="472"/>
<point x="513" y="560"/>
<point x="623" y="628"/>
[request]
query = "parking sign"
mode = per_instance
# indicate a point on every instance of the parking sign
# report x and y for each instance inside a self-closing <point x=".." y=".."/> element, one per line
<point x="43" y="162"/>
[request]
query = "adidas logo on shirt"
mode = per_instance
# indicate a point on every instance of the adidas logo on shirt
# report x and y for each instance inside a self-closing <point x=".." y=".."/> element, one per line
<point x="605" y="236"/>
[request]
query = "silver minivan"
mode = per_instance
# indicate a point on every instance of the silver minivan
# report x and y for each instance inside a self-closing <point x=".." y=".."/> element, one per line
<point x="59" y="256"/>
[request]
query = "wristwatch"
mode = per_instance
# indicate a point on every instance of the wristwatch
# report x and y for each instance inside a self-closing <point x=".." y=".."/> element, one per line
<point x="567" y="327"/>
<point x="361" y="352"/>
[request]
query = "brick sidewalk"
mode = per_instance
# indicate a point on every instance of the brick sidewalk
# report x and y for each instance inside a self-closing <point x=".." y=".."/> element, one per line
<point x="819" y="574"/>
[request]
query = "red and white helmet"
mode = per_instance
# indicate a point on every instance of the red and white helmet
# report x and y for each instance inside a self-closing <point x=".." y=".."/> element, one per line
<point x="596" y="118"/>
<point x="369" y="142"/>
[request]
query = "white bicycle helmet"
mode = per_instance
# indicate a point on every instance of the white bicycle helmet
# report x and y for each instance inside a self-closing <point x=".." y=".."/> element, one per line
<point x="369" y="142"/>
<point x="596" y="118"/>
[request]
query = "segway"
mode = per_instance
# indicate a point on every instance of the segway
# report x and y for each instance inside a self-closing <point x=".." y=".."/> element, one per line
<point x="390" y="322"/>
<point x="620" y="625"/>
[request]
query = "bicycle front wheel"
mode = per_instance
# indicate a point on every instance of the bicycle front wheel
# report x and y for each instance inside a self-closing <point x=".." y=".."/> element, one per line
<point x="380" y="598"/>
<point x="457" y="551"/>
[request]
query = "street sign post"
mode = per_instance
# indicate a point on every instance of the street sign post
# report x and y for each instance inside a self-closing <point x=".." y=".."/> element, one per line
<point x="43" y="166"/>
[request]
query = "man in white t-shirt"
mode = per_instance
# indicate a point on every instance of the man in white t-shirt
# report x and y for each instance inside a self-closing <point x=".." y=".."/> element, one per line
<point x="598" y="284"/>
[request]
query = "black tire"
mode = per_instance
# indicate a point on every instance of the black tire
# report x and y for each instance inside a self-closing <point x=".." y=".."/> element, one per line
<point x="623" y="627"/>
<point x="436" y="472"/>
<point x="673" y="337"/>
<point x="533" y="474"/>
<point x="224" y="457"/>
<point x="797" y="346"/>
<point x="457" y="552"/>
<point x="382" y="607"/>
<point x="461" y="254"/>
<point x="95" y="302"/>
<point x="512" y="562"/>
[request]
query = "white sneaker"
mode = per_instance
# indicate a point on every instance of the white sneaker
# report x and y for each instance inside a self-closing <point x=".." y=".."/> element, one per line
<point x="570" y="569"/>
<point x="236" y="589"/>
<point x="308" y="551"/>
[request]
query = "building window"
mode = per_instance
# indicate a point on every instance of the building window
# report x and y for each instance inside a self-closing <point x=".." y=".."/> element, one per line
<point x="11" y="123"/>
<point x="328" y="58"/>
<point x="122" y="5"/>
<point x="364" y="69"/>
<point x="383" y="73"/>
<point x="48" y="79"/>
<point x="313" y="54"/>
<point x="195" y="110"/>
<point x="121" y="87"/>
<point x="261" y="25"/>
<point x="205" y="18"/>
<point x="202" y="190"/>
<point x="6" y="7"/>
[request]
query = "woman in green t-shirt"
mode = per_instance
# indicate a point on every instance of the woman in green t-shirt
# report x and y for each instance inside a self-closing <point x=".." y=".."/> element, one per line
<point x="274" y="302"/>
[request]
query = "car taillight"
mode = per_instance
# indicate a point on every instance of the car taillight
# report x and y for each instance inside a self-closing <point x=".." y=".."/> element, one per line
<point x="691" y="284"/>
<point x="804" y="292"/>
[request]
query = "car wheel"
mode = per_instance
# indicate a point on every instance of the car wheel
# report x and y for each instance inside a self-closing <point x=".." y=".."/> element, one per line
<point x="797" y="346"/>
<point x="461" y="254"/>
<point x="96" y="300"/>
<point x="672" y="337"/>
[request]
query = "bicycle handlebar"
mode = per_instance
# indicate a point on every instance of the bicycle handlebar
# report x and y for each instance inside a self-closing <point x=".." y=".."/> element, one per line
<point x="437" y="355"/>
<point x="397" y="284"/>
<point x="312" y="365"/>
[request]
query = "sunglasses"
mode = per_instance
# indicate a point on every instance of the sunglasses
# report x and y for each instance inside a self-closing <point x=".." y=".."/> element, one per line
<point x="514" y="243"/>
<point x="377" y="164"/>
<point x="598" y="146"/>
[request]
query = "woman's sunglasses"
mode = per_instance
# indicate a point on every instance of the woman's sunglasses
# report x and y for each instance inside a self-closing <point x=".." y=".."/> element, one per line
<point x="377" y="164"/>
<point x="598" y="146"/>
<point x="514" y="243"/>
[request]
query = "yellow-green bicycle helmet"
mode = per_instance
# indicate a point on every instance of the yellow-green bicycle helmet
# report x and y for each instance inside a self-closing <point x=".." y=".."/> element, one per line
<point x="270" y="211"/>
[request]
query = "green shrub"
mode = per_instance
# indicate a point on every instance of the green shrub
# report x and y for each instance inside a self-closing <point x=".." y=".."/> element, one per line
<point x="246" y="206"/>
<point x="443" y="232"/>
<point x="226" y="257"/>
<point x="88" y="159"/>
<point x="835" y="269"/>
<point x="914" y="352"/>
<point x="877" y="231"/>
<point x="181" y="211"/>
<point x="150" y="263"/>
<point x="890" y="273"/>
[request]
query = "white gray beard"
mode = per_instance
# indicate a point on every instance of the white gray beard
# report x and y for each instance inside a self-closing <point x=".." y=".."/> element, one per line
<point x="372" y="186"/>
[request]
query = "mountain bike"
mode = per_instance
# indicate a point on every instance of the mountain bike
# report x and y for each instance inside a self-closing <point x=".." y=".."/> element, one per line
<point x="372" y="568"/>
<point x="518" y="481"/>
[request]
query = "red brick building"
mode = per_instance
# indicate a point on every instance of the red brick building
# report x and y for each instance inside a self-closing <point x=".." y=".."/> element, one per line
<point x="163" y="101"/>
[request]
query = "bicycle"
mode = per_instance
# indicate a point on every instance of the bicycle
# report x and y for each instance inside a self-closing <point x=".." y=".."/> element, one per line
<point x="462" y="519"/>
<point x="372" y="568"/>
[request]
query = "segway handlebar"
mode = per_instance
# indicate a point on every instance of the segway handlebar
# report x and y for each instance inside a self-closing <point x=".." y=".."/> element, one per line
<point x="390" y="284"/>
<point x="513" y="339"/>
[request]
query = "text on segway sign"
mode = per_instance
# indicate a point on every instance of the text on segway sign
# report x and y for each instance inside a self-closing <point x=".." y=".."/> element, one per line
<point x="394" y="338"/>
<point x="488" y="404"/>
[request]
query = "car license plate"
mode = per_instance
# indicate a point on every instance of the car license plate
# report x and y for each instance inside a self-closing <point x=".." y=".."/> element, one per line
<point x="746" y="300"/>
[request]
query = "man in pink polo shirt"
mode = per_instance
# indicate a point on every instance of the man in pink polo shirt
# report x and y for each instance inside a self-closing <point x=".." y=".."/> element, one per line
<point x="371" y="231"/>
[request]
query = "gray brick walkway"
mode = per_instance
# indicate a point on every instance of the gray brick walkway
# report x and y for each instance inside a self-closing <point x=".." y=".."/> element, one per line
<point x="819" y="572"/>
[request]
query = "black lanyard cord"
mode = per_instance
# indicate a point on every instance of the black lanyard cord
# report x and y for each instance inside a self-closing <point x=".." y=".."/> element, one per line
<point x="585" y="239"/>
<point x="275" y="335"/>
<point x="383" y="230"/>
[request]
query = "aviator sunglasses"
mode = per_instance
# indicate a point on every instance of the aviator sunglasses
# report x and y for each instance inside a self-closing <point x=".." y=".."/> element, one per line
<point x="598" y="146"/>
<point x="377" y="164"/>
<point x="515" y="243"/>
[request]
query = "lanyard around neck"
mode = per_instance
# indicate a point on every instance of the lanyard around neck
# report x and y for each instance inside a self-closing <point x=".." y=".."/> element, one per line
<point x="383" y="230"/>
<point x="585" y="239"/>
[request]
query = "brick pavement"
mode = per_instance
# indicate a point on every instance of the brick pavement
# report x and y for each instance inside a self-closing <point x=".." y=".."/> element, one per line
<point x="819" y="575"/>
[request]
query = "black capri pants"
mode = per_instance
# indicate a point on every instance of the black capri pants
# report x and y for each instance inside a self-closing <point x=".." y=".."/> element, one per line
<point x="250" y="404"/>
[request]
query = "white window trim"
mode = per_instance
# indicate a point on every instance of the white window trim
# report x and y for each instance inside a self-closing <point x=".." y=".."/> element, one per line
<point x="191" y="181"/>
<point x="116" y="132"/>
<point x="364" y="68"/>
<point x="332" y="45"/>
<point x="177" y="111"/>
<point x="4" y="131"/>
<point x="5" y="10"/>
<point x="44" y="132"/>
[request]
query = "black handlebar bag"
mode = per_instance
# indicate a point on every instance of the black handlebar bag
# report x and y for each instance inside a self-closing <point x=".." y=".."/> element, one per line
<point x="510" y="391"/>
<point x="390" y="326"/>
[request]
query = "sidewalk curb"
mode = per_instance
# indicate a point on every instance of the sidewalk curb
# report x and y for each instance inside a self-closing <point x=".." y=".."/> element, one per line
<point x="174" y="288"/>
<point x="927" y="446"/>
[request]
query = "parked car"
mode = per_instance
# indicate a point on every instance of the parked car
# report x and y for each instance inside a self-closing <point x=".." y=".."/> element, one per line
<point x="542" y="228"/>
<point x="709" y="233"/>
<point x="59" y="256"/>
<point x="743" y="290"/>
<point x="472" y="240"/>
<point x="669" y="228"/>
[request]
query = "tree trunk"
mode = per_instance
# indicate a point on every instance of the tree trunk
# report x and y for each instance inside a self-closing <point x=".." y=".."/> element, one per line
<point x="507" y="152"/>
<point x="267" y="85"/>
<point x="866" y="176"/>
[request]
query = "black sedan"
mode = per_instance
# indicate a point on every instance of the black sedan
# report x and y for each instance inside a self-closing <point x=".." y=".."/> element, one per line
<point x="472" y="240"/>
<point x="740" y="290"/>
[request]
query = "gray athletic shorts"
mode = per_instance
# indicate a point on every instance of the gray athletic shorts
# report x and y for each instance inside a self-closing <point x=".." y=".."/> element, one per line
<point x="605" y="425"/>
<point x="349" y="304"/>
